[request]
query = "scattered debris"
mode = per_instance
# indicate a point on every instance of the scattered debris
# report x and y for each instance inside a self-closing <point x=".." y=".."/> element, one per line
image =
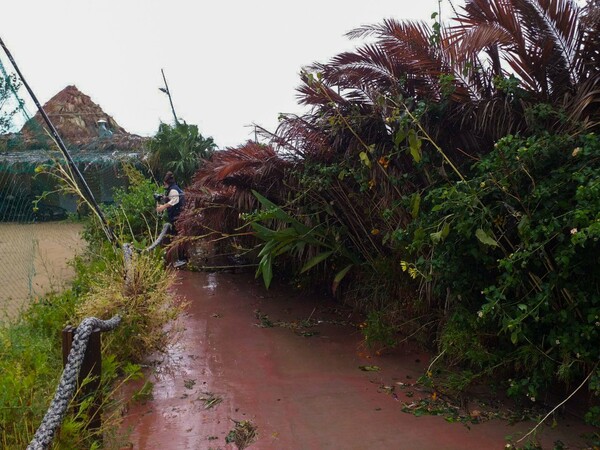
<point x="307" y="333"/>
<point x="242" y="435"/>
<point x="264" y="321"/>
<point x="300" y="327"/>
<point x="210" y="400"/>
<point x="370" y="368"/>
<point x="387" y="389"/>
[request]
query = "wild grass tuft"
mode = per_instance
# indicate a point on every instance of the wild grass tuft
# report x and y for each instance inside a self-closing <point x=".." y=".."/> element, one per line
<point x="140" y="294"/>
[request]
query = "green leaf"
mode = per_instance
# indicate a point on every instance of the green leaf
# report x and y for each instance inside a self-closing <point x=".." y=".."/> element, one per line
<point x="365" y="159"/>
<point x="266" y="268"/>
<point x="399" y="137"/>
<point x="316" y="260"/>
<point x="415" y="203"/>
<point x="414" y="143"/>
<point x="436" y="237"/>
<point x="445" y="230"/>
<point x="441" y="234"/>
<point x="267" y="249"/>
<point x="339" y="277"/>
<point x="278" y="213"/>
<point x="514" y="337"/>
<point x="485" y="238"/>
<point x="263" y="233"/>
<point x="419" y="234"/>
<point x="369" y="368"/>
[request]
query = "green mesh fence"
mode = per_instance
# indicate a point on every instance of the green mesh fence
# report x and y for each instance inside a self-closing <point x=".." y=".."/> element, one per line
<point x="38" y="237"/>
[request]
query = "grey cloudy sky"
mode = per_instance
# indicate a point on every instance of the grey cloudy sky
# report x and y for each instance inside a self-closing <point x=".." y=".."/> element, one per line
<point x="229" y="63"/>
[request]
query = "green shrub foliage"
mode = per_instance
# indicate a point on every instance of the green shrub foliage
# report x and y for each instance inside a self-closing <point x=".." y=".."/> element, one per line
<point x="132" y="216"/>
<point x="517" y="247"/>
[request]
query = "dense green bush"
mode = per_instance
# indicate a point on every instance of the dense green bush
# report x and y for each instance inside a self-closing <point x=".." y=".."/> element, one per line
<point x="517" y="247"/>
<point x="132" y="216"/>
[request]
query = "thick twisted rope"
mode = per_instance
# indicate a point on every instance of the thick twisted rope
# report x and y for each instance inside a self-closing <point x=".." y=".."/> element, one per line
<point x="128" y="250"/>
<point x="166" y="227"/>
<point x="68" y="381"/>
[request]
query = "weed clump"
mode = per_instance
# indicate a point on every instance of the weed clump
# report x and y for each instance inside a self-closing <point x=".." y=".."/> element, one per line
<point x="139" y="292"/>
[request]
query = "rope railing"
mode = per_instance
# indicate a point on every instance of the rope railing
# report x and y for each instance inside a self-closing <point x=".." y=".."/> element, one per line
<point x="165" y="229"/>
<point x="128" y="250"/>
<point x="68" y="381"/>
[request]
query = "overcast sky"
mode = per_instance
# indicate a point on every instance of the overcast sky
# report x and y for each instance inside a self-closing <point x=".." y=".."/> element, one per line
<point x="229" y="63"/>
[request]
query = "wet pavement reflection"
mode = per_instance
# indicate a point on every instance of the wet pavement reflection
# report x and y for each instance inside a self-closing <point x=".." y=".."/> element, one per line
<point x="288" y="365"/>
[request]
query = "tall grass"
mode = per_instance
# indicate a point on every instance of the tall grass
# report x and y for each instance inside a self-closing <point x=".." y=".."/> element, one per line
<point x="30" y="367"/>
<point x="30" y="347"/>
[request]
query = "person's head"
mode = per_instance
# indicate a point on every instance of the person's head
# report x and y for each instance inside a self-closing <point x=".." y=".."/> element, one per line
<point x="169" y="179"/>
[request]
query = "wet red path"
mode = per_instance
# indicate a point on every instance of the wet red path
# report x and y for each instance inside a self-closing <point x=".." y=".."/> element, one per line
<point x="300" y="391"/>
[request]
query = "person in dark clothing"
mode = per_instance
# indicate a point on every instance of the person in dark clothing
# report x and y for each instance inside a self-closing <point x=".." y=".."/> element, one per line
<point x="174" y="202"/>
<point x="175" y="199"/>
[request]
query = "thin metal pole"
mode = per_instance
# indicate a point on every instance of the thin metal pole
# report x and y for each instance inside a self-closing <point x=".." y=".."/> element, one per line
<point x="168" y="92"/>
<point x="86" y="189"/>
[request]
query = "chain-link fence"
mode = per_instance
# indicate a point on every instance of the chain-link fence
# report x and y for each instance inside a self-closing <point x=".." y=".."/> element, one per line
<point x="37" y="232"/>
<point x="34" y="261"/>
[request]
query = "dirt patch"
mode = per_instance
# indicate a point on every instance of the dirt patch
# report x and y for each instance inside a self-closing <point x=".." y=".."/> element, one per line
<point x="33" y="261"/>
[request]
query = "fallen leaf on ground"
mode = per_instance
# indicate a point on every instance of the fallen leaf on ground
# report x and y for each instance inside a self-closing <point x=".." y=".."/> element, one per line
<point x="369" y="368"/>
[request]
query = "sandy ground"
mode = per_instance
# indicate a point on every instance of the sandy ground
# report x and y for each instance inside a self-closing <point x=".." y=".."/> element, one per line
<point x="33" y="261"/>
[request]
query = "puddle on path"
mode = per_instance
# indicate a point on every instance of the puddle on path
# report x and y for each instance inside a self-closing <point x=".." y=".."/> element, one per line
<point x="301" y="391"/>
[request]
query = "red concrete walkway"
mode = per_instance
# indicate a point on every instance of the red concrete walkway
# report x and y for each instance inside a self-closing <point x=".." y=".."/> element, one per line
<point x="300" y="391"/>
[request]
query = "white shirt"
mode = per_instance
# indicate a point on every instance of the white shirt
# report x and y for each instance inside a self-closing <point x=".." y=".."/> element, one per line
<point x="173" y="197"/>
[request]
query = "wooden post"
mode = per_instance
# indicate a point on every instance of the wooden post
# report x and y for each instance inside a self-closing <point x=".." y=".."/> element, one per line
<point x="91" y="367"/>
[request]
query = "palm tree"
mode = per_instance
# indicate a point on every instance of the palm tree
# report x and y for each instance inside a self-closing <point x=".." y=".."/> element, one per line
<point x="179" y="148"/>
<point x="547" y="45"/>
<point x="221" y="190"/>
<point x="479" y="77"/>
<point x="462" y="85"/>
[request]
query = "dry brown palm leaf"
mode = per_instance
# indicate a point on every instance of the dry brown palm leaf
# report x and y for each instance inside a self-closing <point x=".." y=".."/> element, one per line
<point x="308" y="138"/>
<point x="557" y="22"/>
<point x="584" y="104"/>
<point x="538" y="39"/>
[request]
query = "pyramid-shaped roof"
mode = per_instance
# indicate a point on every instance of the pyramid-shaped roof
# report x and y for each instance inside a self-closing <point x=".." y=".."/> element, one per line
<point x="79" y="122"/>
